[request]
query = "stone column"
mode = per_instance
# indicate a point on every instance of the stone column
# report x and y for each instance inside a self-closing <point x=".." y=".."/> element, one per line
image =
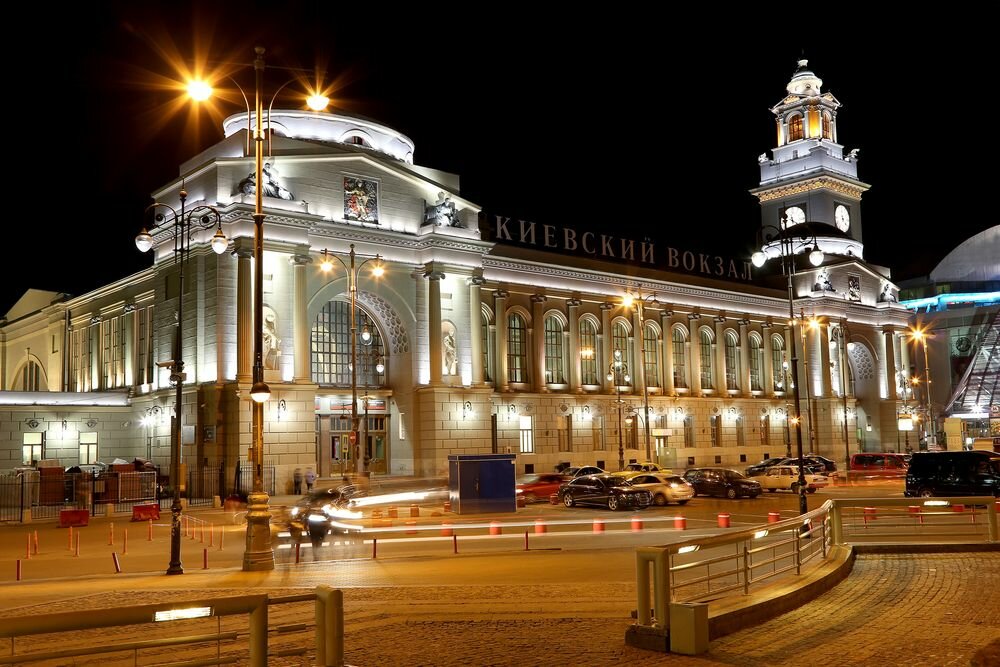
<point x="904" y="362"/>
<point x="300" y="325"/>
<point x="500" y="306"/>
<point x="434" y="323"/>
<point x="575" y="369"/>
<point x="720" y="356"/>
<point x="244" y="313"/>
<point x="537" y="335"/>
<point x="694" y="355"/>
<point x="889" y="363"/>
<point x="744" y="372"/>
<point x="606" y="355"/>
<point x="476" y="334"/>
<point x="824" y="360"/>
<point x="767" y="382"/>
<point x="129" y="359"/>
<point x="668" y="354"/>
<point x="639" y="372"/>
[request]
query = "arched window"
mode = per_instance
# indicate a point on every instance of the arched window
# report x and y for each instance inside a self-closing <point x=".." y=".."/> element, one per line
<point x="331" y="348"/>
<point x="777" y="361"/>
<point x="732" y="361"/>
<point x="707" y="360"/>
<point x="651" y="367"/>
<point x="795" y="128"/>
<point x="554" y="351"/>
<point x="588" y="353"/>
<point x="756" y="362"/>
<point x="517" y="349"/>
<point x="487" y="349"/>
<point x="679" y="354"/>
<point x="827" y="126"/>
<point x="31" y="377"/>
<point x="619" y="341"/>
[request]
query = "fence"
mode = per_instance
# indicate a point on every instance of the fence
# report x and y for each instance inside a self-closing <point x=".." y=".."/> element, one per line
<point x="45" y="495"/>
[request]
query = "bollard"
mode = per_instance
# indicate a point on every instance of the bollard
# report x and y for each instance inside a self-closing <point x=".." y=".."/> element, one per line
<point x="540" y="526"/>
<point x="18" y="569"/>
<point x="414" y="511"/>
<point x="773" y="517"/>
<point x="298" y="550"/>
<point x="393" y="513"/>
<point x="201" y="532"/>
<point x="118" y="566"/>
<point x="77" y="545"/>
<point x="915" y="512"/>
<point x="412" y="530"/>
<point x="374" y="547"/>
<point x="636" y="524"/>
<point x="525" y="540"/>
<point x="680" y="523"/>
<point x="446" y="529"/>
<point x="496" y="528"/>
<point x="454" y="543"/>
<point x="36" y="543"/>
<point x="204" y="559"/>
<point x="447" y="506"/>
<point x="27" y="547"/>
<point x="125" y="541"/>
<point x="149" y="532"/>
<point x="211" y="534"/>
<point x="598" y="525"/>
<point x="222" y="533"/>
<point x="70" y="547"/>
<point x="111" y="535"/>
<point x="723" y="520"/>
<point x="869" y="514"/>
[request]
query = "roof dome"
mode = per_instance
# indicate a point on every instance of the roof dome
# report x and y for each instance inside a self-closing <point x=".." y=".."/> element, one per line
<point x="804" y="83"/>
<point x="976" y="259"/>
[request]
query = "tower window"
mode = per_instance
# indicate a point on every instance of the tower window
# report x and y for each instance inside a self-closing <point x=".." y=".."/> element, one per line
<point x="827" y="126"/>
<point x="795" y="128"/>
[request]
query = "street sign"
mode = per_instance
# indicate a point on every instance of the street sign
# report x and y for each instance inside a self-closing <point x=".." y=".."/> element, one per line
<point x="353" y="438"/>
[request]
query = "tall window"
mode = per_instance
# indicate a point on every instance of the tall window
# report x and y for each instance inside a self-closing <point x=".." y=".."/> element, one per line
<point x="765" y="430"/>
<point x="651" y="368"/>
<point x="715" y="425"/>
<point x="689" y="431"/>
<point x="487" y="348"/>
<point x="707" y="360"/>
<point x="777" y="359"/>
<point x="619" y="341"/>
<point x="31" y="377"/>
<point x="680" y="359"/>
<point x="526" y="437"/>
<point x="88" y="447"/>
<point x="732" y="361"/>
<point x="517" y="349"/>
<point x="331" y="347"/>
<point x="554" y="351"/>
<point x="144" y="345"/>
<point x="32" y="448"/>
<point x="756" y="362"/>
<point x="795" y="128"/>
<point x="588" y="363"/>
<point x="827" y="126"/>
<point x="740" y="432"/>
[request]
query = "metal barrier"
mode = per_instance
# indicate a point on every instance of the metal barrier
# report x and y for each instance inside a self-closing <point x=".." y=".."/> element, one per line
<point x="328" y="616"/>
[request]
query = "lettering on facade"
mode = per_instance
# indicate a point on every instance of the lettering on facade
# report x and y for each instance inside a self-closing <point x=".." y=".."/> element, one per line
<point x="608" y="246"/>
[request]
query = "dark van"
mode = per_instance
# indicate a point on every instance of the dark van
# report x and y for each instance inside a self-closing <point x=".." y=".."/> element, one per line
<point x="972" y="473"/>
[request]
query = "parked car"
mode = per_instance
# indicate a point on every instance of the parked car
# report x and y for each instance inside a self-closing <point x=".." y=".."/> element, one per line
<point x="787" y="477"/>
<point x="539" y="486"/>
<point x="758" y="468"/>
<point x="646" y="467"/>
<point x="967" y="473"/>
<point x="829" y="465"/>
<point x="665" y="488"/>
<point x="877" y="465"/>
<point x="605" y="490"/>
<point x="721" y="482"/>
<point x="579" y="471"/>
<point x="323" y="511"/>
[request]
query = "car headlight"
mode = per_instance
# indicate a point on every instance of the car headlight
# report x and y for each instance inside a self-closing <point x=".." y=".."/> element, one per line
<point x="295" y="512"/>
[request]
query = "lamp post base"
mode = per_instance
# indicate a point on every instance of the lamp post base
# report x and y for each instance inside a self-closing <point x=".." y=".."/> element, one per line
<point x="258" y="554"/>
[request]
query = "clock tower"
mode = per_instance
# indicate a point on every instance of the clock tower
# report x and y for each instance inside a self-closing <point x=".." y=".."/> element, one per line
<point x="809" y="181"/>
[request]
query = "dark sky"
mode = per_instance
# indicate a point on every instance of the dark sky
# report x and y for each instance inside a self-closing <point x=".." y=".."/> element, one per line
<point x="613" y="121"/>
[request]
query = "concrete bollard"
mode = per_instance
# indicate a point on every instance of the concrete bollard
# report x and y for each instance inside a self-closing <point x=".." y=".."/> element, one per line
<point x="496" y="528"/>
<point x="446" y="529"/>
<point x="414" y="511"/>
<point x="70" y="547"/>
<point x="680" y="523"/>
<point x="411" y="528"/>
<point x="598" y="525"/>
<point x="636" y="524"/>
<point x="723" y="519"/>
<point x="540" y="526"/>
<point x="773" y="517"/>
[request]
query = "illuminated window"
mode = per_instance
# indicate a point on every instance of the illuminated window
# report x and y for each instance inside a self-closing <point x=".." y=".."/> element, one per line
<point x="619" y="341"/>
<point x="526" y="436"/>
<point x="554" y="351"/>
<point x="88" y="448"/>
<point x="707" y="360"/>
<point x="732" y="361"/>
<point x="679" y="354"/>
<point x="765" y="430"/>
<point x="795" y="128"/>
<point x="827" y="126"/>
<point x="31" y="377"/>
<point x="32" y="448"/>
<point x="740" y="432"/>
<point x="651" y="366"/>
<point x="777" y="359"/>
<point x="588" y="364"/>
<point x="331" y="347"/>
<point x="756" y="362"/>
<point x="517" y="349"/>
<point x="715" y="426"/>
<point x="487" y="349"/>
<point x="689" y="431"/>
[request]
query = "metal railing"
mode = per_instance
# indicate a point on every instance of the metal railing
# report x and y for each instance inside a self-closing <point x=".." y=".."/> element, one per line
<point x="45" y="495"/>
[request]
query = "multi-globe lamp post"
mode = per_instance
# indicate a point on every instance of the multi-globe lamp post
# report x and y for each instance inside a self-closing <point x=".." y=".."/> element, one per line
<point x="785" y="242"/>
<point x="182" y="223"/>
<point x="258" y="554"/>
<point x="638" y="301"/>
<point x="618" y="374"/>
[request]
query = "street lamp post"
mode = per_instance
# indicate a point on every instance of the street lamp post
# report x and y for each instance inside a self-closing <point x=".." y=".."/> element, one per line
<point x="640" y="301"/>
<point x="618" y="373"/>
<point x="786" y="242"/>
<point x="921" y="336"/>
<point x="326" y="264"/>
<point x="203" y="217"/>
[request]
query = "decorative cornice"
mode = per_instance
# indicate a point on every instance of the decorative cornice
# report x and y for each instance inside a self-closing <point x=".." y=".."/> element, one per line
<point x="837" y="185"/>
<point x="573" y="303"/>
<point x="608" y="306"/>
<point x="477" y="280"/>
<point x="538" y="298"/>
<point x="501" y="293"/>
<point x="300" y="260"/>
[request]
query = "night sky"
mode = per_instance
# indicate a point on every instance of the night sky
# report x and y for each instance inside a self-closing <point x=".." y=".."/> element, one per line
<point x="619" y="122"/>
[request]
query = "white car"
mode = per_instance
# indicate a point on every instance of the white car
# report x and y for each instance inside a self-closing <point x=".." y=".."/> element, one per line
<point x="647" y="467"/>
<point x="787" y="477"/>
<point x="664" y="487"/>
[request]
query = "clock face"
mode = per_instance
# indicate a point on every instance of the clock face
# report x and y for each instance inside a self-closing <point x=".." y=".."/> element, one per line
<point x="842" y="217"/>
<point x="794" y="216"/>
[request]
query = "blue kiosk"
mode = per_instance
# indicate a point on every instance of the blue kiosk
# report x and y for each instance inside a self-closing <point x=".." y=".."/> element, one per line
<point x="481" y="483"/>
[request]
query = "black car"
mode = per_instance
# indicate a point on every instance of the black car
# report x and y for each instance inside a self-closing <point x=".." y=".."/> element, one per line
<point x="609" y="491"/>
<point x="759" y="468"/>
<point x="721" y="482"/>
<point x="323" y="511"/>
<point x="967" y="473"/>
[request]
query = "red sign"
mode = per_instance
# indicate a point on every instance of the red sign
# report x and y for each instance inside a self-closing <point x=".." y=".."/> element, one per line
<point x="353" y="438"/>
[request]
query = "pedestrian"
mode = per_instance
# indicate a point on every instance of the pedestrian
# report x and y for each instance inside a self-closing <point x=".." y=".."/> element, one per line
<point x="297" y="481"/>
<point x="310" y="479"/>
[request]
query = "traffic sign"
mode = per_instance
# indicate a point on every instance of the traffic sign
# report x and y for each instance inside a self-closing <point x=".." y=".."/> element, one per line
<point x="353" y="438"/>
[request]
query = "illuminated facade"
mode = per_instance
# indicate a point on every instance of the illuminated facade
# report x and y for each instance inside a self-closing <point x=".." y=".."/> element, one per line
<point x="495" y="334"/>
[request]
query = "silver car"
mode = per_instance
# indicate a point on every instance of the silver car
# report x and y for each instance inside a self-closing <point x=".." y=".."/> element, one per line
<point x="665" y="488"/>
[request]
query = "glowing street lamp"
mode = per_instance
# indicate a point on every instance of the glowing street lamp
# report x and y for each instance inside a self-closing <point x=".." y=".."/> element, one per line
<point x="618" y="373"/>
